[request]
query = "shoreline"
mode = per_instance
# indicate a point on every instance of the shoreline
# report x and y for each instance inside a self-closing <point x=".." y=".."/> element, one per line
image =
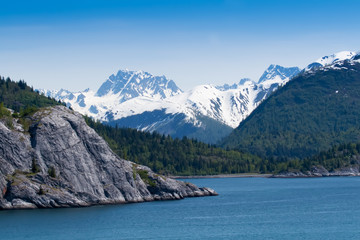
<point x="258" y="175"/>
<point x="239" y="175"/>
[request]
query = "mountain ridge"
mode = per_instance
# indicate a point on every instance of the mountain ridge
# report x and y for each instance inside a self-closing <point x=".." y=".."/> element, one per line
<point x="131" y="84"/>
<point x="317" y="109"/>
<point x="133" y="93"/>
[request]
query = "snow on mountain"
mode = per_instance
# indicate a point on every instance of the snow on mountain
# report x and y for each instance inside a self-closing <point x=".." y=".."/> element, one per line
<point x="130" y="84"/>
<point x="229" y="104"/>
<point x="278" y="74"/>
<point x="118" y="90"/>
<point x="130" y="93"/>
<point x="348" y="58"/>
<point x="331" y="59"/>
<point x="154" y="103"/>
<point x="226" y="106"/>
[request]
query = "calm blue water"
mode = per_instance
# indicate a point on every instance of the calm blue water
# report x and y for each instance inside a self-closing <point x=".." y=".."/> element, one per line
<point x="247" y="208"/>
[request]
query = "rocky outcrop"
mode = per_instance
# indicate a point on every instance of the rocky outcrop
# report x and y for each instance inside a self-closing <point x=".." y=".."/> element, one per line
<point x="53" y="159"/>
<point x="320" y="171"/>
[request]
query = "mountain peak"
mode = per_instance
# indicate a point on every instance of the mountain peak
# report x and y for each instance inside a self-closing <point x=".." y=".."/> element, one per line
<point x="343" y="55"/>
<point x="130" y="84"/>
<point x="331" y="59"/>
<point x="274" y="66"/>
<point x="279" y="72"/>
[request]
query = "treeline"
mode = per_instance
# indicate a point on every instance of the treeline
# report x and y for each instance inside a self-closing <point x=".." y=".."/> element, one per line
<point x="340" y="156"/>
<point x="169" y="156"/>
<point x="18" y="96"/>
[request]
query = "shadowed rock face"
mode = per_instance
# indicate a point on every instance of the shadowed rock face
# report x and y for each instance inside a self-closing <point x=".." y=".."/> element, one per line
<point x="86" y="172"/>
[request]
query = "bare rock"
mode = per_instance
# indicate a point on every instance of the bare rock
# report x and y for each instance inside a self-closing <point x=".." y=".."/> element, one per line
<point x="76" y="167"/>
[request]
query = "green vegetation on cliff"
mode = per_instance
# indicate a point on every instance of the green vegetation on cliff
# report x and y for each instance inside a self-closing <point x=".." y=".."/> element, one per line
<point x="18" y="96"/>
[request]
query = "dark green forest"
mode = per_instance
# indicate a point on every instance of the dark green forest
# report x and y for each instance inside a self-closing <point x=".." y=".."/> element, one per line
<point x="190" y="157"/>
<point x="169" y="156"/>
<point x="340" y="156"/>
<point x="310" y="114"/>
<point x="337" y="157"/>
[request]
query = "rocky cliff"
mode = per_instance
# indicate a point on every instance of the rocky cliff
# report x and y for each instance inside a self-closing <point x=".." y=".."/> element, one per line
<point x="53" y="159"/>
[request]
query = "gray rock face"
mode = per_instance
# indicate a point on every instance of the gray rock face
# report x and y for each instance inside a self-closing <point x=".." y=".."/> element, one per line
<point x="74" y="167"/>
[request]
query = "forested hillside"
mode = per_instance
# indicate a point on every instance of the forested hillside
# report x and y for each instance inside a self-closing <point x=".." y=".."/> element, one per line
<point x="178" y="157"/>
<point x="312" y="113"/>
<point x="18" y="96"/>
<point x="338" y="157"/>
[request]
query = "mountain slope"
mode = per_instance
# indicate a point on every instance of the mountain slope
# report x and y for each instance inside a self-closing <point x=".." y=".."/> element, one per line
<point x="331" y="59"/>
<point x="206" y="112"/>
<point x="314" y="111"/>
<point x="151" y="103"/>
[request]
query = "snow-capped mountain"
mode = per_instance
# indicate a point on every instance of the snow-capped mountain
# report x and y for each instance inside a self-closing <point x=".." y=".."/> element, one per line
<point x="118" y="89"/>
<point x="331" y="59"/>
<point x="278" y="74"/>
<point x="153" y="103"/>
<point x="230" y="105"/>
<point x="141" y="100"/>
<point x="130" y="84"/>
<point x="350" y="60"/>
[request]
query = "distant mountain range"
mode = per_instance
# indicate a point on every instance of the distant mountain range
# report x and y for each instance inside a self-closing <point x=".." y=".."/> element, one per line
<point x="316" y="110"/>
<point x="140" y="100"/>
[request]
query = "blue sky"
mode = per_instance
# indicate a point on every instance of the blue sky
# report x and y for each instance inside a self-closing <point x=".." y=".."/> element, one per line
<point x="78" y="44"/>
